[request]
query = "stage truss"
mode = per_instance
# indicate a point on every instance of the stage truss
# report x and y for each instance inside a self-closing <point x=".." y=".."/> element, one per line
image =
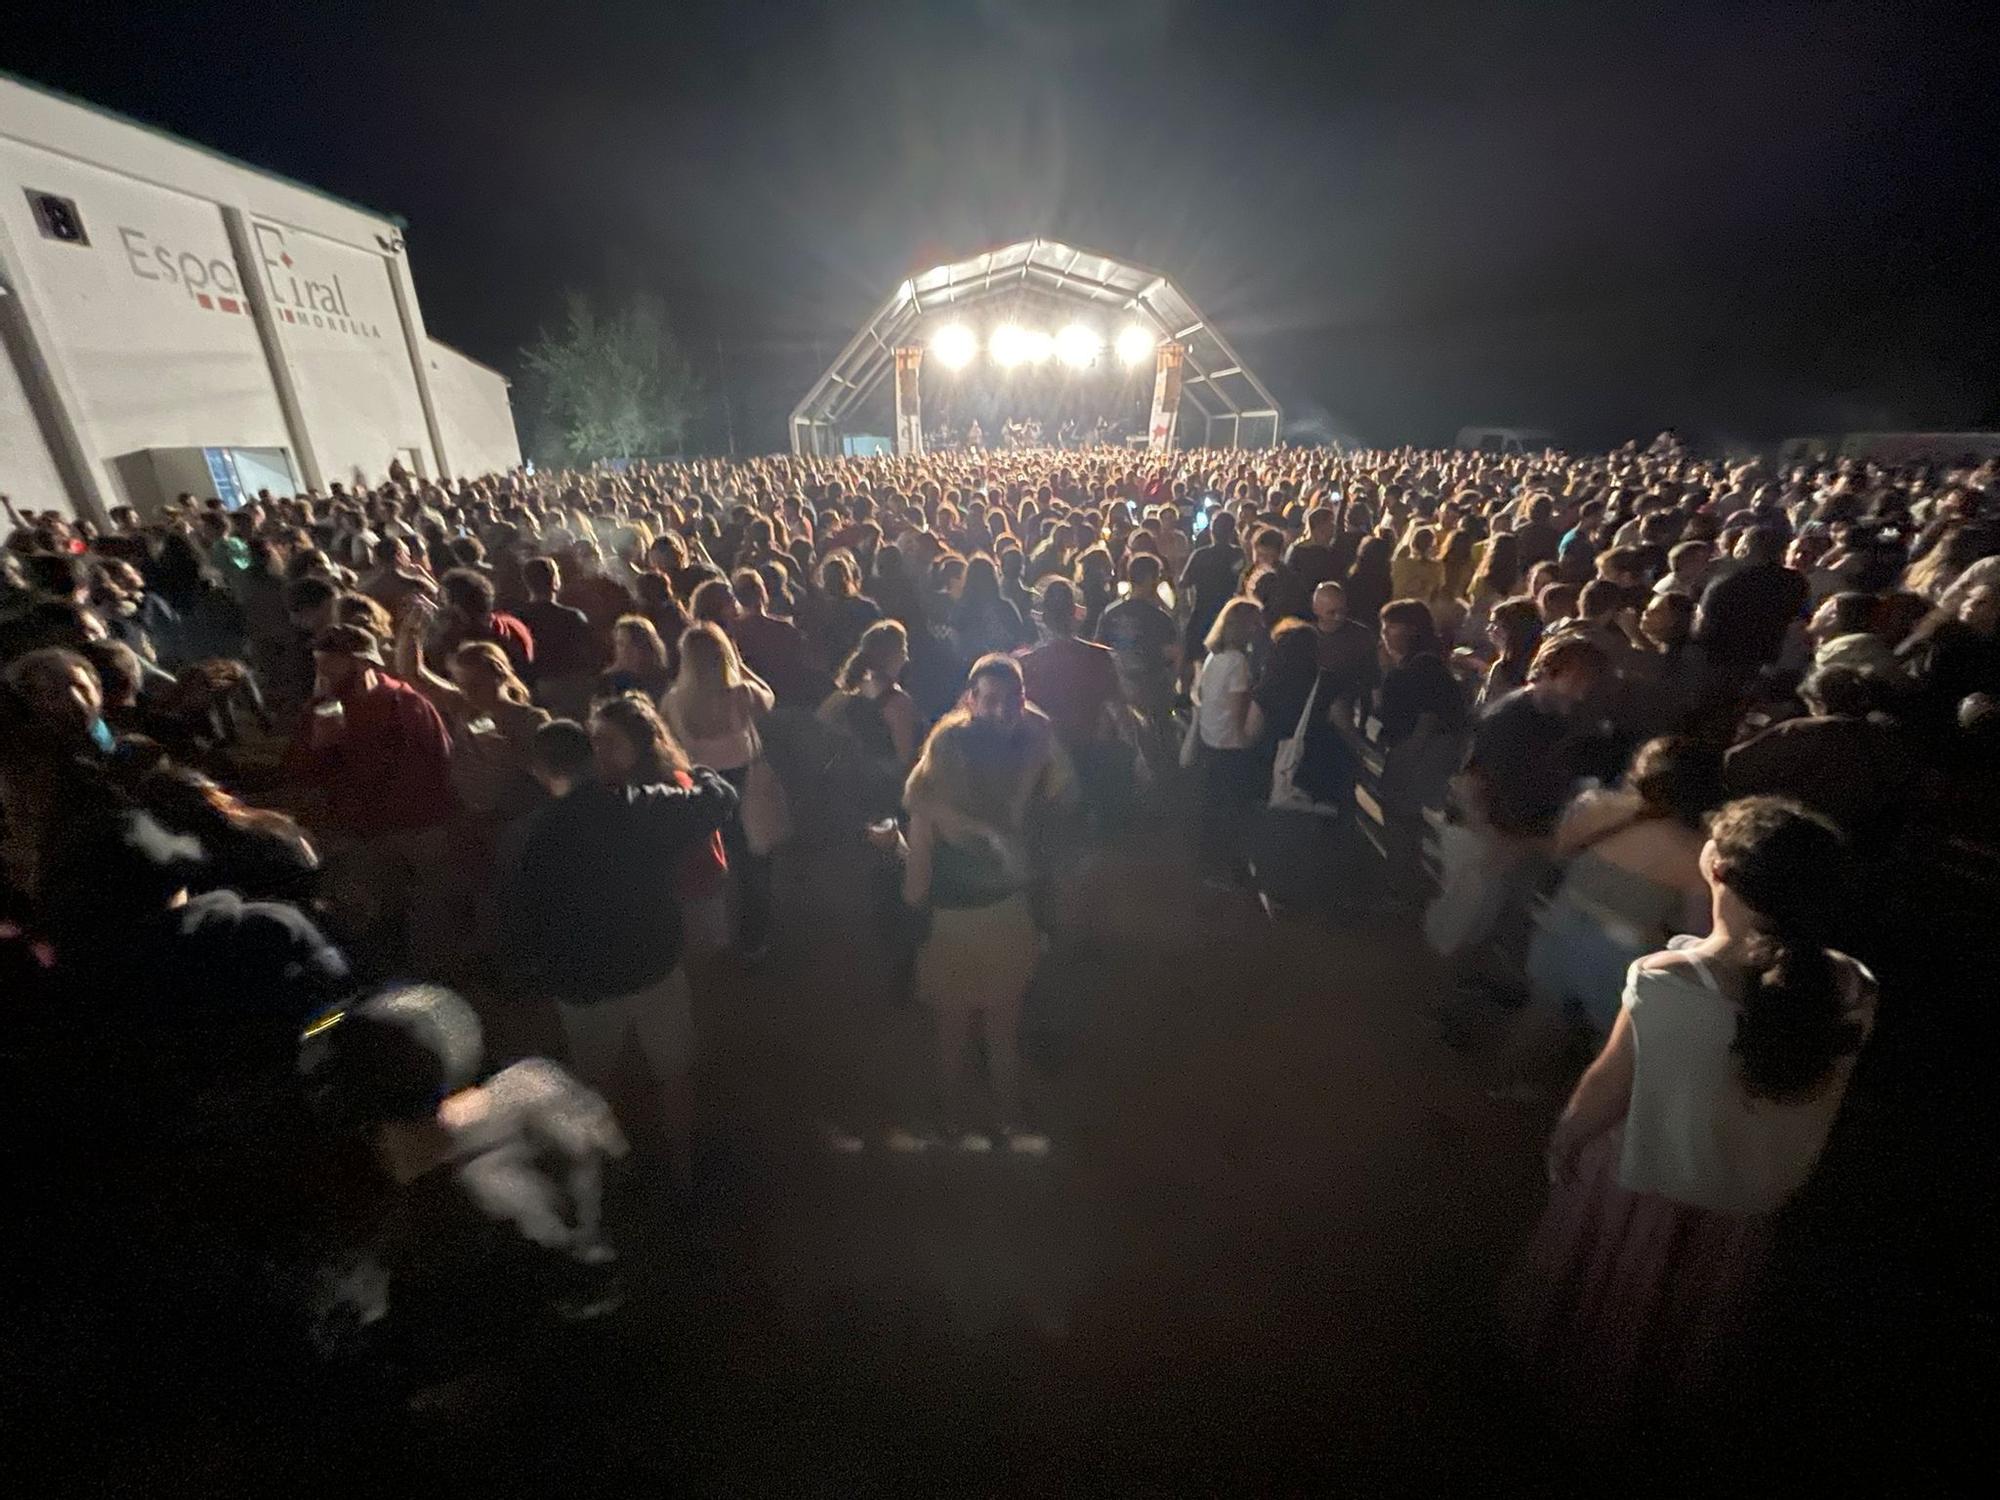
<point x="1237" y="410"/>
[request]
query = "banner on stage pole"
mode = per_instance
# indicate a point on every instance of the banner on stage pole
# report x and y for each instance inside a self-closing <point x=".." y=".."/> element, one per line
<point x="909" y="406"/>
<point x="1166" y="397"/>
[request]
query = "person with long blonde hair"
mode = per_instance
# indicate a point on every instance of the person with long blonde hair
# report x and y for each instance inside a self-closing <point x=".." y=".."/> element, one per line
<point x="713" y="709"/>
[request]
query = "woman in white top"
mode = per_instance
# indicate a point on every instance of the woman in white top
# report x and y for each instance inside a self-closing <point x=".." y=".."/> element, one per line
<point x="1234" y="775"/>
<point x="1706" y="1111"/>
<point x="713" y="707"/>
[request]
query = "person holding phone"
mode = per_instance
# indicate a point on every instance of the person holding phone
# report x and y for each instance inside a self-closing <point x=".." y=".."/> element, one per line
<point x="1207" y="583"/>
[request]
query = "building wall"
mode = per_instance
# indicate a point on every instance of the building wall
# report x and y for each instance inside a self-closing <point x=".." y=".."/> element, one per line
<point x="151" y="328"/>
<point x="335" y="308"/>
<point x="474" y="413"/>
<point x="28" y="475"/>
<point x="148" y="320"/>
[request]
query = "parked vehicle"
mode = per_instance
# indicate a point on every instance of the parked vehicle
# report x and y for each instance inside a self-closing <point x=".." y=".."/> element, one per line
<point x="1505" y="439"/>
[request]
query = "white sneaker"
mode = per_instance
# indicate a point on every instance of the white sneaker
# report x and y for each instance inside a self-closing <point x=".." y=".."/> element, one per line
<point x="972" y="1141"/>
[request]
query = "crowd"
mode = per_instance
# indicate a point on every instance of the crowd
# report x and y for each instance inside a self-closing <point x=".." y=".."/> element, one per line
<point x="1619" y="729"/>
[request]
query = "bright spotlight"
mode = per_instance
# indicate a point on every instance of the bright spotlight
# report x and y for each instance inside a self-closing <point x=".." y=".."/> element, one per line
<point x="1037" y="345"/>
<point x="1078" y="346"/>
<point x="955" y="345"/>
<point x="1009" y="345"/>
<point x="1135" y="345"/>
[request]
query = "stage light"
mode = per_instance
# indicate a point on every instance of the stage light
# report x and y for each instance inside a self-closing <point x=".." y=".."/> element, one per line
<point x="1008" y="345"/>
<point x="955" y="345"/>
<point x="1135" y="345"/>
<point x="1078" y="346"/>
<point x="1037" y="345"/>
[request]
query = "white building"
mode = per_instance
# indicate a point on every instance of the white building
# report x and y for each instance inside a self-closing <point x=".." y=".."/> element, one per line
<point x="172" y="320"/>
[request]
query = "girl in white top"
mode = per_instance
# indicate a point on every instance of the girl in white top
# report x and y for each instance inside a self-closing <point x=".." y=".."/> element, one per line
<point x="1732" y="1053"/>
<point x="1705" y="1112"/>
<point x="1222" y="688"/>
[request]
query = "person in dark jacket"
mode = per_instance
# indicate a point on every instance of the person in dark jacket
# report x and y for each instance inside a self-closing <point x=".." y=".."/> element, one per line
<point x="1207" y="583"/>
<point x="1745" y="612"/>
<point x="470" y="1231"/>
<point x="593" y="920"/>
<point x="1846" y="760"/>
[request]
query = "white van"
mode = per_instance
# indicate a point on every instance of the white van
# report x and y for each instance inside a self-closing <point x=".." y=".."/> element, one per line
<point x="1504" y="439"/>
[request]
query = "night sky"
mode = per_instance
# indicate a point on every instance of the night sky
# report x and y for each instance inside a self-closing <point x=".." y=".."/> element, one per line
<point x="1747" y="220"/>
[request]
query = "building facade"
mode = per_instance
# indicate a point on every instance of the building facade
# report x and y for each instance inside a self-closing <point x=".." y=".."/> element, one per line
<point x="172" y="321"/>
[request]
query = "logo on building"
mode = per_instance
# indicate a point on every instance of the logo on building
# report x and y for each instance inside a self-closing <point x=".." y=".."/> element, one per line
<point x="210" y="281"/>
<point x="312" y="302"/>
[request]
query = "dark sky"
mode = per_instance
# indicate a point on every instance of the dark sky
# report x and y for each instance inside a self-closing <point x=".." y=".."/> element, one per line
<point x="1748" y="219"/>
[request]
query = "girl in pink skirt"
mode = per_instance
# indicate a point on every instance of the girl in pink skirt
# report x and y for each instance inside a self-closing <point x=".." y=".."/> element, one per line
<point x="1707" y="1109"/>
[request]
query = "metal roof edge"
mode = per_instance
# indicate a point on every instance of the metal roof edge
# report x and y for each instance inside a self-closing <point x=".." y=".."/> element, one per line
<point x="431" y="338"/>
<point x="120" y="117"/>
<point x="1034" y="242"/>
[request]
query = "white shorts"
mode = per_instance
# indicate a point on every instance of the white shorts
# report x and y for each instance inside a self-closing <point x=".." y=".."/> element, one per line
<point x="663" y="1016"/>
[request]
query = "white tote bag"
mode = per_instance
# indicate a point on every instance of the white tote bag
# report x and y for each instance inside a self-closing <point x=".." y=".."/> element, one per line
<point x="1286" y="794"/>
<point x="1191" y="741"/>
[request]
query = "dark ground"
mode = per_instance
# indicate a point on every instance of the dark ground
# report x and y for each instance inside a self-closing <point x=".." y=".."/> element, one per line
<point x="1259" y="1253"/>
<point x="1260" y="1256"/>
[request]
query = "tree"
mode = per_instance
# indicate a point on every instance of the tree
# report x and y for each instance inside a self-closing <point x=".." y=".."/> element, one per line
<point x="613" y="386"/>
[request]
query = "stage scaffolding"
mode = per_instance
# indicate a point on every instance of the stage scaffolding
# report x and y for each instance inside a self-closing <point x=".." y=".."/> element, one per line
<point x="1236" y="408"/>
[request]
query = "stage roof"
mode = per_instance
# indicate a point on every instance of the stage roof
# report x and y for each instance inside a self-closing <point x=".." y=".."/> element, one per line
<point x="1237" y="407"/>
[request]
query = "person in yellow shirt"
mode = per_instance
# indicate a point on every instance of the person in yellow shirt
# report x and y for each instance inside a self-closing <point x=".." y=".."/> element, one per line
<point x="1416" y="572"/>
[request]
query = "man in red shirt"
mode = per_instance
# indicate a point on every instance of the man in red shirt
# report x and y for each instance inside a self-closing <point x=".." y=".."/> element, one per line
<point x="469" y="615"/>
<point x="379" y="752"/>
<point x="1076" y="684"/>
<point x="371" y="742"/>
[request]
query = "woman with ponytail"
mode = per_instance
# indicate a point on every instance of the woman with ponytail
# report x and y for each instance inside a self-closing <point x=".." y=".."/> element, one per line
<point x="1706" y="1111"/>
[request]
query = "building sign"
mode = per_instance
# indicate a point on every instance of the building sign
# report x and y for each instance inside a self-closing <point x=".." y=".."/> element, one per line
<point x="314" y="300"/>
<point x="209" y="281"/>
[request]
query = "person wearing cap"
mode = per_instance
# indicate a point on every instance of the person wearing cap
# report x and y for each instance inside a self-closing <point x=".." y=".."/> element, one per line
<point x="371" y="742"/>
<point x="379" y="755"/>
<point x="479" y="1232"/>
